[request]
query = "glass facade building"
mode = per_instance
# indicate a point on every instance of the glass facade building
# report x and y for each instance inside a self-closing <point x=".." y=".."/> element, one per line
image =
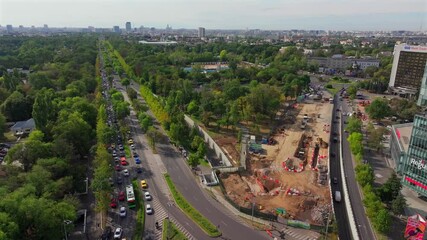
<point x="415" y="165"/>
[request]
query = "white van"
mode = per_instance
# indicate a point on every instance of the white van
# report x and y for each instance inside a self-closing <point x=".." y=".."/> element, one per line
<point x="337" y="196"/>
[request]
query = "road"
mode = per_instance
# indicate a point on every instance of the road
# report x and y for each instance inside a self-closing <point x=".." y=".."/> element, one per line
<point x="185" y="181"/>
<point x="363" y="226"/>
<point x="335" y="165"/>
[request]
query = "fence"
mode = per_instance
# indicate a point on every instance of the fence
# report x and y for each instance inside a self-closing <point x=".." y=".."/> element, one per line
<point x="211" y="143"/>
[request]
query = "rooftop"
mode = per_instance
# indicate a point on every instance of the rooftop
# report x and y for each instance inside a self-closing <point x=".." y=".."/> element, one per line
<point x="403" y="133"/>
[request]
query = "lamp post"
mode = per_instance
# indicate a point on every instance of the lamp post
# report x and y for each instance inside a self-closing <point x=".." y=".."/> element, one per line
<point x="66" y="222"/>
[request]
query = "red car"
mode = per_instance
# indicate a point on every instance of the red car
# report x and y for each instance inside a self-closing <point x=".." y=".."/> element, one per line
<point x="123" y="163"/>
<point x="118" y="168"/>
<point x="121" y="196"/>
<point x="113" y="203"/>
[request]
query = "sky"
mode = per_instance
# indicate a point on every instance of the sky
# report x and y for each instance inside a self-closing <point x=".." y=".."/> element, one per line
<point x="220" y="14"/>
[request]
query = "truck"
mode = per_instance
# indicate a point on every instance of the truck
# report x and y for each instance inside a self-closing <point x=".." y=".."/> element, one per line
<point x="337" y="196"/>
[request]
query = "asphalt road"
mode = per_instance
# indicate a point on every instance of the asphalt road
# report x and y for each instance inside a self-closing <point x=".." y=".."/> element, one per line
<point x="185" y="181"/>
<point x="335" y="164"/>
<point x="362" y="223"/>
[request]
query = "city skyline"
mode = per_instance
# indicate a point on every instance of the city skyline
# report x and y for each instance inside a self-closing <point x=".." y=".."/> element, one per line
<point x="362" y="15"/>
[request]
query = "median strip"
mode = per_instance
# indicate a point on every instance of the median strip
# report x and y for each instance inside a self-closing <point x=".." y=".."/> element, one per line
<point x="191" y="212"/>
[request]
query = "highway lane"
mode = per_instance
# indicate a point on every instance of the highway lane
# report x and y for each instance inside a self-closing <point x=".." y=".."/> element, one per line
<point x="362" y="223"/>
<point x="335" y="165"/>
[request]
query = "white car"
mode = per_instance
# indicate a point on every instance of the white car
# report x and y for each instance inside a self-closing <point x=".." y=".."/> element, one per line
<point x="126" y="173"/>
<point x="148" y="209"/>
<point x="132" y="146"/>
<point x="118" y="233"/>
<point x="147" y="196"/>
<point x="122" y="212"/>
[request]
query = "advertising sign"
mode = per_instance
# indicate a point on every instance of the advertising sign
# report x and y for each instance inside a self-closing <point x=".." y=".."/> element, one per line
<point x="415" y="228"/>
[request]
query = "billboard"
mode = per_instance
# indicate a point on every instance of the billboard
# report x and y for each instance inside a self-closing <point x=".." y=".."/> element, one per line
<point x="415" y="228"/>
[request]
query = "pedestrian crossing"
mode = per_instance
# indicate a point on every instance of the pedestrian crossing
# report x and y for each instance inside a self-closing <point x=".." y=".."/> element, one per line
<point x="291" y="233"/>
<point x="161" y="214"/>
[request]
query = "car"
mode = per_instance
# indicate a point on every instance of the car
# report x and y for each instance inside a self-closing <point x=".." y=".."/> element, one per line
<point x="118" y="233"/>
<point x="137" y="161"/>
<point x="147" y="196"/>
<point x="144" y="184"/>
<point x="122" y="212"/>
<point x="138" y="170"/>
<point x="149" y="209"/>
<point x="135" y="155"/>
<point x="114" y="153"/>
<point x="118" y="168"/>
<point x="121" y="147"/>
<point x="335" y="139"/>
<point x="335" y="180"/>
<point x="130" y="141"/>
<point x="132" y="146"/>
<point x="337" y="117"/>
<point x="119" y="180"/>
<point x="122" y="196"/>
<point x="111" y="181"/>
<point x="123" y="163"/>
<point x="332" y="154"/>
<point x="126" y="173"/>
<point x="116" y="159"/>
<point x="113" y="203"/>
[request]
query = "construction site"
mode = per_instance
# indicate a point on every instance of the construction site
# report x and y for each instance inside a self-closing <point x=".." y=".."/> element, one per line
<point x="287" y="170"/>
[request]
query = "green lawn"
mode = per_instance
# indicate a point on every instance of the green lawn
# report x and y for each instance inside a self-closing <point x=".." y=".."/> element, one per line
<point x="191" y="212"/>
<point x="171" y="232"/>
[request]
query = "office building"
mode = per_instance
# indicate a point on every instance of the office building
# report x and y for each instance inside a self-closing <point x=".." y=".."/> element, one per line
<point x="128" y="27"/>
<point x="116" y="29"/>
<point x="410" y="153"/>
<point x="9" y="28"/>
<point x="202" y="33"/>
<point x="409" y="64"/>
<point x="340" y="62"/>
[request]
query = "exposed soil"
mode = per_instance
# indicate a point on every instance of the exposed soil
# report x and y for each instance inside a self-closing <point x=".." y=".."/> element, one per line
<point x="298" y="189"/>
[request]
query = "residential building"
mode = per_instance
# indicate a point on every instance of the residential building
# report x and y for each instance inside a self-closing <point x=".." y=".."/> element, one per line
<point x="408" y="150"/>
<point x="128" y="27"/>
<point x="202" y="32"/>
<point x="23" y="127"/>
<point x="409" y="67"/>
<point x="340" y="62"/>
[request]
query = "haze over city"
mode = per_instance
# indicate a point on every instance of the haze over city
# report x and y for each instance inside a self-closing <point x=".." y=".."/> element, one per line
<point x="221" y="14"/>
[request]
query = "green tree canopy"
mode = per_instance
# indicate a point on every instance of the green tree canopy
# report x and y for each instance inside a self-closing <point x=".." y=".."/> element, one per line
<point x="378" y="109"/>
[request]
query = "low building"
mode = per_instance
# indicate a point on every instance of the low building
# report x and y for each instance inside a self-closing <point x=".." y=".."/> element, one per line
<point x="408" y="146"/>
<point x="23" y="127"/>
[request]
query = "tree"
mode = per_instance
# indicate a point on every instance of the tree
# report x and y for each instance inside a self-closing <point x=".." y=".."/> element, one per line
<point x="17" y="107"/>
<point x="355" y="140"/>
<point x="153" y="136"/>
<point x="36" y="135"/>
<point x="193" y="160"/>
<point x="382" y="221"/>
<point x="398" y="204"/>
<point x="378" y="109"/>
<point x="122" y="110"/>
<point x="364" y="174"/>
<point x="9" y="229"/>
<point x="27" y="153"/>
<point x="352" y="91"/>
<point x="125" y="82"/>
<point x="45" y="111"/>
<point x="2" y="125"/>
<point x="354" y="125"/>
<point x="391" y="189"/>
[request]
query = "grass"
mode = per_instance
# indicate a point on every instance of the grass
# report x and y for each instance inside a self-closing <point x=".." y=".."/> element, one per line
<point x="191" y="212"/>
<point x="140" y="215"/>
<point x="127" y="151"/>
<point x="170" y="231"/>
<point x="9" y="137"/>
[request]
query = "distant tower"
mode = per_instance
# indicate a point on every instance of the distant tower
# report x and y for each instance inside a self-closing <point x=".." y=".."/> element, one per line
<point x="201" y="32"/>
<point x="128" y="27"/>
<point x="9" y="28"/>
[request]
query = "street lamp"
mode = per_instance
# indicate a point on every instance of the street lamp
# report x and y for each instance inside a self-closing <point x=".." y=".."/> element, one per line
<point x="66" y="222"/>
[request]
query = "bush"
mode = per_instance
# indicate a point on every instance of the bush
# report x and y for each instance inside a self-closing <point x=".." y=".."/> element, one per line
<point x="329" y="86"/>
<point x="191" y="212"/>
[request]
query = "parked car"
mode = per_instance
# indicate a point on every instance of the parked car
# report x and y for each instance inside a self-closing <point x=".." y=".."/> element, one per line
<point x="138" y="170"/>
<point x="130" y="141"/>
<point x="126" y="173"/>
<point x="135" y="155"/>
<point x="149" y="209"/>
<point x="119" y="180"/>
<point x="122" y="212"/>
<point x="123" y="163"/>
<point x="118" y="168"/>
<point x="132" y="146"/>
<point x="137" y="161"/>
<point x="118" y="233"/>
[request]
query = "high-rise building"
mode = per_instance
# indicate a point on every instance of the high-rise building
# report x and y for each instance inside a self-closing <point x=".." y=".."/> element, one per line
<point x="116" y="29"/>
<point x="409" y="66"/>
<point x="128" y="27"/>
<point x="202" y="32"/>
<point x="408" y="150"/>
<point x="9" y="28"/>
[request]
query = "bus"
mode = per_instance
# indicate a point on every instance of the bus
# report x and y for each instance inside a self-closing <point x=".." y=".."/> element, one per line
<point x="130" y="196"/>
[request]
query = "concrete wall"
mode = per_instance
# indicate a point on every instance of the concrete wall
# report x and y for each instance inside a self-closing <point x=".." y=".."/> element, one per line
<point x="211" y="143"/>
